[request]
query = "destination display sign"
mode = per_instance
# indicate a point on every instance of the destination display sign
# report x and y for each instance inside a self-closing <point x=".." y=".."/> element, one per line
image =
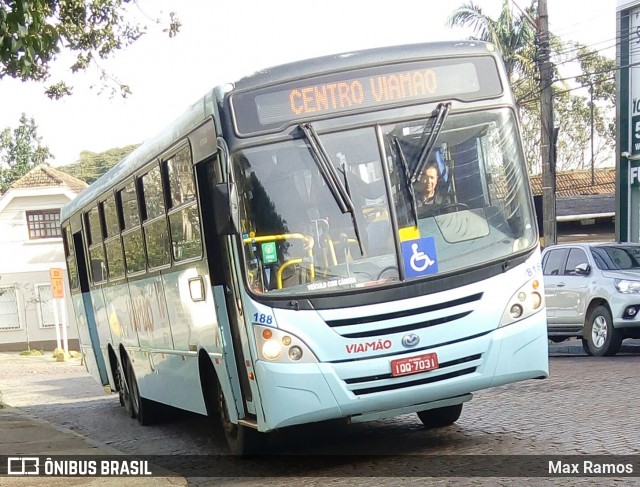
<point x="365" y="89"/>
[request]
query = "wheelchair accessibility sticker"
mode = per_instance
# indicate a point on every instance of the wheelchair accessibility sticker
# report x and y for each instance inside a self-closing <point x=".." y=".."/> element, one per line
<point x="420" y="257"/>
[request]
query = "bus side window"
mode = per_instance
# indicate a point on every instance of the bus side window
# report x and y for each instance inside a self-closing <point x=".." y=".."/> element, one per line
<point x="96" y="246"/>
<point x="184" y="218"/>
<point x="134" y="256"/>
<point x="156" y="235"/>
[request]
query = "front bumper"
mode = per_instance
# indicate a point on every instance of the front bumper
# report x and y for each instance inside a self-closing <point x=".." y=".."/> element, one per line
<point x="302" y="393"/>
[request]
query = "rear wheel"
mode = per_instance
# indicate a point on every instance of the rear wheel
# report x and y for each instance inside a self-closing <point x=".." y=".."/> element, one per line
<point x="124" y="391"/>
<point x="143" y="409"/>
<point x="242" y="440"/>
<point x="603" y="338"/>
<point x="439" y="417"/>
<point x="585" y="346"/>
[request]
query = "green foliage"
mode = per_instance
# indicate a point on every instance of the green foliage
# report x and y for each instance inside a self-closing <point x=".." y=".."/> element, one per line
<point x="515" y="37"/>
<point x="20" y="151"/>
<point x="91" y="165"/>
<point x="34" y="32"/>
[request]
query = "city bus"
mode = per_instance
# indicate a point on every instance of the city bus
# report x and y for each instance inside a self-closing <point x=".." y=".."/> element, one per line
<point x="272" y="258"/>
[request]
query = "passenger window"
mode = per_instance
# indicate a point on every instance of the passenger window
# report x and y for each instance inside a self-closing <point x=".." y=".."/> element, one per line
<point x="115" y="261"/>
<point x="180" y="173"/>
<point x="153" y="197"/>
<point x="576" y="257"/>
<point x="185" y="233"/>
<point x="158" y="244"/>
<point x="112" y="225"/>
<point x="129" y="201"/>
<point x="95" y="230"/>
<point x="96" y="248"/>
<point x="553" y="262"/>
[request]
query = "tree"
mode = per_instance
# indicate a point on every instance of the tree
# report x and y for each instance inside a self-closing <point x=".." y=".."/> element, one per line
<point x="515" y="37"/>
<point x="34" y="32"/>
<point x="92" y="165"/>
<point x="20" y="151"/>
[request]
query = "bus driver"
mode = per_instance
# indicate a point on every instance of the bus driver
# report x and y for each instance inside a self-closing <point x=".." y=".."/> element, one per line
<point x="430" y="197"/>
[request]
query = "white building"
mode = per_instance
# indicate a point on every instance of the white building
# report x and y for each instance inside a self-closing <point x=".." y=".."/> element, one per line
<point x="30" y="245"/>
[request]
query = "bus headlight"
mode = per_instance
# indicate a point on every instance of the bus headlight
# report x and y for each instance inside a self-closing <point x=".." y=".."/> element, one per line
<point x="275" y="345"/>
<point x="525" y="301"/>
<point x="271" y="349"/>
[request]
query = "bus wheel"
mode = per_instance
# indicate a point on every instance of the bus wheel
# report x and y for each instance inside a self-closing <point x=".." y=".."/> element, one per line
<point x="439" y="417"/>
<point x="142" y="408"/>
<point x="242" y="440"/>
<point x="124" y="392"/>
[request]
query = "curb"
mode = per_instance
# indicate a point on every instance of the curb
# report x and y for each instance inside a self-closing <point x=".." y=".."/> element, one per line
<point x="575" y="348"/>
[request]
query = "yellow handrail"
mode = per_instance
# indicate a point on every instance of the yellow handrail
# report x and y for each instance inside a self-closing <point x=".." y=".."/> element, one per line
<point x="309" y="242"/>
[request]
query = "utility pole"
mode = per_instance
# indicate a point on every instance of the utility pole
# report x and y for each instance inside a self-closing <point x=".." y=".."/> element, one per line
<point x="593" y="160"/>
<point x="547" y="146"/>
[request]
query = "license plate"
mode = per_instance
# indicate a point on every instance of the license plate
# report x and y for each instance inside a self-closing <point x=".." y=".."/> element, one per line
<point x="413" y="365"/>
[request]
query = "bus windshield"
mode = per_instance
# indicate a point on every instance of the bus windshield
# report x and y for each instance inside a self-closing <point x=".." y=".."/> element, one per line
<point x="470" y="203"/>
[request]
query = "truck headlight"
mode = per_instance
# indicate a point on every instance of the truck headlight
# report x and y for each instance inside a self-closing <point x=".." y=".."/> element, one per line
<point x="627" y="287"/>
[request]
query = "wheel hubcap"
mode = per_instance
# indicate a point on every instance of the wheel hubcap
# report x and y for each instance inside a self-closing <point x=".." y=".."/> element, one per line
<point x="599" y="331"/>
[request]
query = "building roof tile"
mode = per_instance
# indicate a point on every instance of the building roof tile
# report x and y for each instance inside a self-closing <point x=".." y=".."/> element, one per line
<point x="46" y="176"/>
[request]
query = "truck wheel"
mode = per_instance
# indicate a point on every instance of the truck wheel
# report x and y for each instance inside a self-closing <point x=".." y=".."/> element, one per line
<point x="603" y="338"/>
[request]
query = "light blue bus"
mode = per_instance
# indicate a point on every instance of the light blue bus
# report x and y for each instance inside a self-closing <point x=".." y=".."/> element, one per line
<point x="351" y="236"/>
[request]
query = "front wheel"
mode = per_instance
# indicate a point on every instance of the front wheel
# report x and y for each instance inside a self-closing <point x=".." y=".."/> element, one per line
<point x="242" y="440"/>
<point x="439" y="417"/>
<point x="604" y="340"/>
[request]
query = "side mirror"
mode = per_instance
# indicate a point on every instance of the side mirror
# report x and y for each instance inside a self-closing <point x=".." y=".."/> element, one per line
<point x="583" y="269"/>
<point x="225" y="208"/>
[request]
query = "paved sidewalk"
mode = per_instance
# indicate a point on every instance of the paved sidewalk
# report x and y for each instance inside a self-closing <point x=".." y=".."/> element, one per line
<point x="23" y="434"/>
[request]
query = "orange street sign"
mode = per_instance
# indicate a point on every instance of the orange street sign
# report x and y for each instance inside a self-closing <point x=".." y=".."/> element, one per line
<point x="57" y="284"/>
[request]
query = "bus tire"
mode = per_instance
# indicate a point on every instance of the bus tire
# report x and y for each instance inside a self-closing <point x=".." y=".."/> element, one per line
<point x="242" y="440"/>
<point x="143" y="409"/>
<point x="124" y="390"/>
<point x="440" y="417"/>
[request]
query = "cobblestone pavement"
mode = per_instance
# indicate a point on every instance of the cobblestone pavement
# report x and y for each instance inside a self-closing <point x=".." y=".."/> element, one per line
<point x="588" y="406"/>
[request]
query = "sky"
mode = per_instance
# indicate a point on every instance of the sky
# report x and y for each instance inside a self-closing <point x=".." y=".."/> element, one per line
<point x="222" y="40"/>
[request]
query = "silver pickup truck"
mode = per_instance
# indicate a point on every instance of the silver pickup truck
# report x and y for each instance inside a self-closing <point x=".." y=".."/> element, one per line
<point x="592" y="291"/>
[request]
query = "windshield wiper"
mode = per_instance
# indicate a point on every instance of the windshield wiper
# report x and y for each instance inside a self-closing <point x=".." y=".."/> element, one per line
<point x="329" y="173"/>
<point x="327" y="169"/>
<point x="407" y="177"/>
<point x="441" y="116"/>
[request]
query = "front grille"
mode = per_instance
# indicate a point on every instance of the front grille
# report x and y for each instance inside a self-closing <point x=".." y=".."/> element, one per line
<point x="386" y="382"/>
<point x="387" y="323"/>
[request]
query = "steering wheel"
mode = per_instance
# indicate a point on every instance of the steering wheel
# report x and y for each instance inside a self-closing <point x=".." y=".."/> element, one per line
<point x="391" y="274"/>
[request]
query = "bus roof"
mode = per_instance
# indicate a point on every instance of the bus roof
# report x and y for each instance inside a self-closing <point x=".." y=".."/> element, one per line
<point x="366" y="57"/>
